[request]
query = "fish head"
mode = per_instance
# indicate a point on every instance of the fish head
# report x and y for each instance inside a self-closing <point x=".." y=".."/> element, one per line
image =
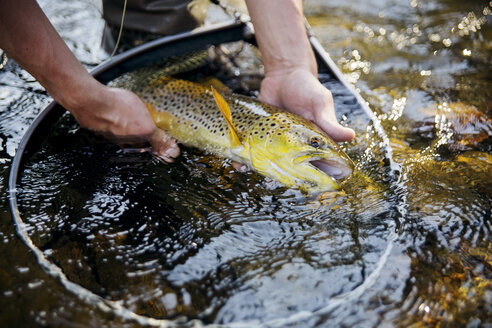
<point x="297" y="153"/>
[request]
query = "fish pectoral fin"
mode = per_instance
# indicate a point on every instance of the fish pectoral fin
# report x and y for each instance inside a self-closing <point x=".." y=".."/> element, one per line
<point x="163" y="120"/>
<point x="226" y="112"/>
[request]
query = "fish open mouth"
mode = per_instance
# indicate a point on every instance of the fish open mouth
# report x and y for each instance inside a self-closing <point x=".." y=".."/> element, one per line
<point x="334" y="169"/>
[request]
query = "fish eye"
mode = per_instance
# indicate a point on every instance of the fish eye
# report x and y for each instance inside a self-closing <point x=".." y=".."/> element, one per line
<point x="315" y="142"/>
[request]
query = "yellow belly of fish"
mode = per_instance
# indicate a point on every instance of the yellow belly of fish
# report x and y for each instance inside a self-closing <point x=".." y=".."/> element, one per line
<point x="200" y="137"/>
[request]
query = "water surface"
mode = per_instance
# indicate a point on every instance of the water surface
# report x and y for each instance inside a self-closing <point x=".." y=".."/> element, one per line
<point x="196" y="240"/>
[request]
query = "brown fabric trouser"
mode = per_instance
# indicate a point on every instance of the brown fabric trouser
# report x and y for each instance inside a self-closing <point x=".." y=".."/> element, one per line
<point x="145" y="20"/>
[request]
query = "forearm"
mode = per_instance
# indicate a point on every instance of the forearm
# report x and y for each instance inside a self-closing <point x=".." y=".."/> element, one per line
<point x="29" y="38"/>
<point x="281" y="35"/>
<point x="291" y="75"/>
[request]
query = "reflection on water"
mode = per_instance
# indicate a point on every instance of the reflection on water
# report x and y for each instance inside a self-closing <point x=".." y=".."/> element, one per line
<point x="195" y="239"/>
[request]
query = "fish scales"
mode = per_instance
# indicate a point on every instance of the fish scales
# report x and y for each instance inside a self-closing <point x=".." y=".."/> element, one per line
<point x="193" y="109"/>
<point x="275" y="143"/>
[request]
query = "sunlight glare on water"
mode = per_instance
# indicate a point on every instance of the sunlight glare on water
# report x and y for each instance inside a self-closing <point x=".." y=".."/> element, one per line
<point x="197" y="240"/>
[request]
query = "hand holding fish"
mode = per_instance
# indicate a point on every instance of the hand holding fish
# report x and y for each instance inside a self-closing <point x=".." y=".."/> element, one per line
<point x="290" y="70"/>
<point x="38" y="48"/>
<point x="121" y="116"/>
<point x="300" y="92"/>
<point x="290" y="66"/>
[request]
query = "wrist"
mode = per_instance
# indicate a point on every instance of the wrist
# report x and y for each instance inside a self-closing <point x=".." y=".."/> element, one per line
<point x="284" y="63"/>
<point x="285" y="69"/>
<point x="88" y="101"/>
<point x="281" y="35"/>
<point x="75" y="94"/>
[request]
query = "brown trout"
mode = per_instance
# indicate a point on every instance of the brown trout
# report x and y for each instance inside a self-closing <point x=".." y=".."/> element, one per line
<point x="278" y="144"/>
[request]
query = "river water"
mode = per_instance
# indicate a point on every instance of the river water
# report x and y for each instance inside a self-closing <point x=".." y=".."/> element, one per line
<point x="196" y="243"/>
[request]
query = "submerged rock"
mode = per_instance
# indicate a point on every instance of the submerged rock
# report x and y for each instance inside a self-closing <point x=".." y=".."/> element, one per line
<point x="463" y="126"/>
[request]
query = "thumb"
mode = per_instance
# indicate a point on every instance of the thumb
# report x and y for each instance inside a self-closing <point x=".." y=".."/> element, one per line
<point x="336" y="131"/>
<point x="163" y="145"/>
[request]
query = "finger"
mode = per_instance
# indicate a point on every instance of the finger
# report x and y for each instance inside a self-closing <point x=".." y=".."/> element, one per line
<point x="122" y="140"/>
<point x="164" y="160"/>
<point x="163" y="145"/>
<point x="336" y="131"/>
<point x="239" y="167"/>
<point x="327" y="120"/>
<point x="132" y="149"/>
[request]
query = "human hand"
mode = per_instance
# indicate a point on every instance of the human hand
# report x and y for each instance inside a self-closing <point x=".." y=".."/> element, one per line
<point x="122" y="117"/>
<point x="28" y="36"/>
<point x="300" y="92"/>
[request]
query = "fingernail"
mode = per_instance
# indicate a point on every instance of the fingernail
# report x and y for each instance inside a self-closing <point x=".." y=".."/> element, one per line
<point x="171" y="152"/>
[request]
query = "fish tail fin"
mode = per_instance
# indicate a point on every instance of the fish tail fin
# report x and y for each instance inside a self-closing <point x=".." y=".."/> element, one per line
<point x="226" y="112"/>
<point x="155" y="73"/>
<point x="179" y="64"/>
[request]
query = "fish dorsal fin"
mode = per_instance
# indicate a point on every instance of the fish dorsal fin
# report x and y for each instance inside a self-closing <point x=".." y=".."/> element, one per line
<point x="210" y="81"/>
<point x="226" y="112"/>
